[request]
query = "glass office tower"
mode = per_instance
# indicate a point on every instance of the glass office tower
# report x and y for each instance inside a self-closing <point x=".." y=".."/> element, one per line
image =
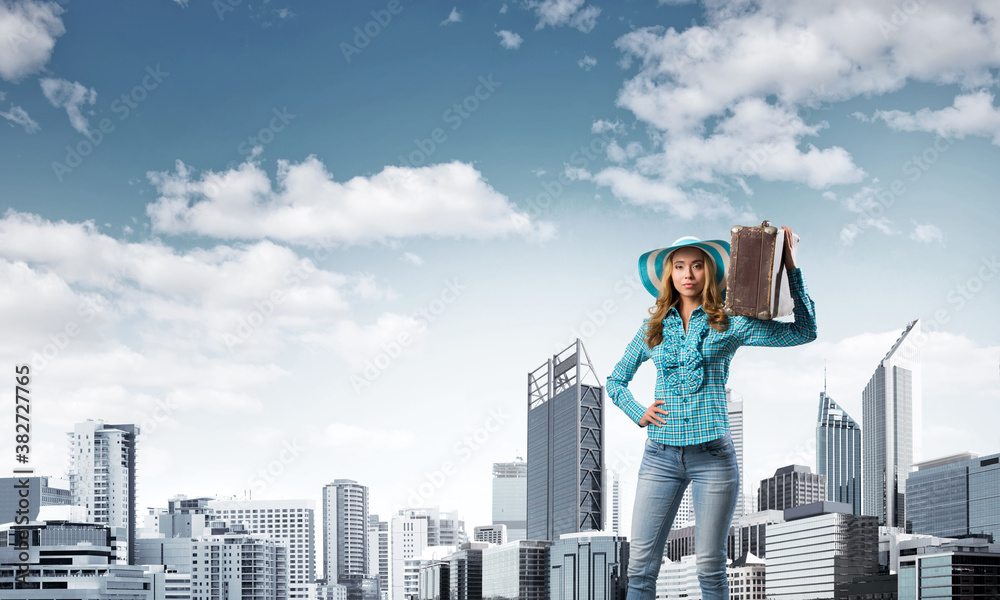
<point x="565" y="446"/>
<point x="517" y="571"/>
<point x="838" y="453"/>
<point x="955" y="496"/>
<point x="891" y="407"/>
<point x="584" y="566"/>
<point x="510" y="498"/>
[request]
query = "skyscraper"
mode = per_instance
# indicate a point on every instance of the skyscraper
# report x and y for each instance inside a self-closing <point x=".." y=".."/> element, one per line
<point x="891" y="407"/>
<point x="791" y="486"/>
<point x="838" y="453"/>
<point x="379" y="559"/>
<point x="288" y="521"/>
<point x="565" y="446"/>
<point x="345" y="530"/>
<point x="614" y="526"/>
<point x="517" y="570"/>
<point x="102" y="476"/>
<point x="955" y="496"/>
<point x="510" y="498"/>
<point x="415" y="531"/>
<point x="588" y="566"/>
<point x="735" y="402"/>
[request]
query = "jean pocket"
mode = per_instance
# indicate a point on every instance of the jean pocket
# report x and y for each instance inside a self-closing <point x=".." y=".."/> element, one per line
<point x="651" y="446"/>
<point x="722" y="447"/>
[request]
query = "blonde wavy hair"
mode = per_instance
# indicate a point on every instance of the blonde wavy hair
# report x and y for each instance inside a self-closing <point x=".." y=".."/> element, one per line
<point x="711" y="303"/>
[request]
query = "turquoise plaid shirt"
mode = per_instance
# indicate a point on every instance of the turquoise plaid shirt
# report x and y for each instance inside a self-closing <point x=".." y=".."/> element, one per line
<point x="692" y="369"/>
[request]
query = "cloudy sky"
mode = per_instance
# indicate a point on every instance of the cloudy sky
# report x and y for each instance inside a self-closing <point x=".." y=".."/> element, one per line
<point x="305" y="241"/>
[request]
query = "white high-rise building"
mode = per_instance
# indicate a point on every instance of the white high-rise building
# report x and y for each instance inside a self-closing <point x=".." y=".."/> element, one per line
<point x="736" y="431"/>
<point x="891" y="419"/>
<point x="614" y="525"/>
<point x="345" y="530"/>
<point x="102" y="476"/>
<point x="379" y="558"/>
<point x="289" y="521"/>
<point x="414" y="530"/>
<point x="819" y="551"/>
<point x="678" y="579"/>
<point x="234" y="564"/>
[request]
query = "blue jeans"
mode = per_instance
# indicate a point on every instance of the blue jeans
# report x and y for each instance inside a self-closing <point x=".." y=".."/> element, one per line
<point x="664" y="474"/>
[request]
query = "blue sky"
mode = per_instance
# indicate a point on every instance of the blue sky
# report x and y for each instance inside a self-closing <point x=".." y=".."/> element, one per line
<point x="279" y="254"/>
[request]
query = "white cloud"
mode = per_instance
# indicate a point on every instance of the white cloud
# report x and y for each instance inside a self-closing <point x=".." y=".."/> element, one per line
<point x="557" y="13"/>
<point x="806" y="54"/>
<point x="354" y="437"/>
<point x="587" y="62"/>
<point x="32" y="301"/>
<point x="601" y="126"/>
<point x="413" y="259"/>
<point x="870" y="204"/>
<point x="509" y="40"/>
<point x="453" y="17"/>
<point x="307" y="206"/>
<point x="660" y="195"/>
<point x="735" y="97"/>
<point x="617" y="154"/>
<point x="28" y="32"/>
<point x="970" y="114"/>
<point x="503" y="9"/>
<point x="926" y="233"/>
<point x="18" y="116"/>
<point x="71" y="96"/>
<point x="366" y="287"/>
<point x="754" y="139"/>
<point x="213" y="401"/>
<point x="360" y="344"/>
<point x="182" y="3"/>
<point x="192" y="303"/>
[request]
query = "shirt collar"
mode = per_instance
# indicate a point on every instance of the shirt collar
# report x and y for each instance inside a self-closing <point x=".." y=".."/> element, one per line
<point x="672" y="311"/>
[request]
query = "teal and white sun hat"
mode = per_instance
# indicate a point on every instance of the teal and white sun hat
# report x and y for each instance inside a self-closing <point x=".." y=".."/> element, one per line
<point x="653" y="272"/>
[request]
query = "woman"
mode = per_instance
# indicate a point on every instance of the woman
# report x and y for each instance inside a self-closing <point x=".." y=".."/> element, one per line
<point x="692" y="341"/>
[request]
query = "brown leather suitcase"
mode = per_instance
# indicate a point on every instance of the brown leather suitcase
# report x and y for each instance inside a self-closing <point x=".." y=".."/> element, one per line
<point x="756" y="285"/>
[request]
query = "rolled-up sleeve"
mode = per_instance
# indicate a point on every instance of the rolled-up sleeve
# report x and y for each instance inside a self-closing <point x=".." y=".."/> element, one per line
<point x="778" y="333"/>
<point x="636" y="353"/>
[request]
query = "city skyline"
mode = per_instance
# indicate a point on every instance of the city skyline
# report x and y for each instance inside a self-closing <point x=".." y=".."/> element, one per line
<point x="299" y="243"/>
